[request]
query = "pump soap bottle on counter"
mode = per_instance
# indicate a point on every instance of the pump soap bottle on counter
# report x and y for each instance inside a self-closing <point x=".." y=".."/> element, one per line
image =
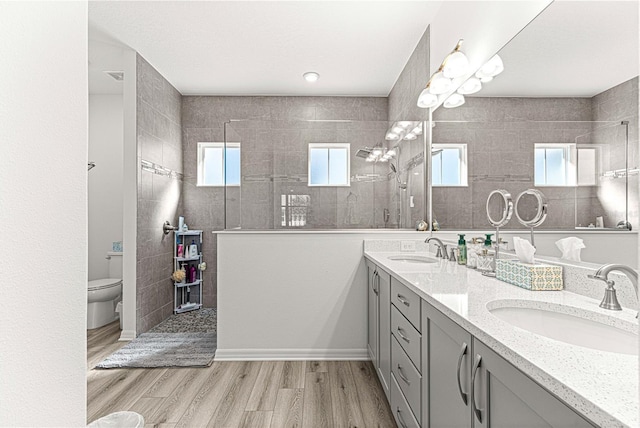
<point x="462" y="250"/>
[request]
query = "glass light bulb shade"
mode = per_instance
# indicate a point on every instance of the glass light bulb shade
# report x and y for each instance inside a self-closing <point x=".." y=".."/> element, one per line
<point x="383" y="159"/>
<point x="471" y="86"/>
<point x="455" y="100"/>
<point x="391" y="136"/>
<point x="370" y="159"/>
<point x="427" y="99"/>
<point x="410" y="136"/>
<point x="397" y="129"/>
<point x="492" y="68"/>
<point x="377" y="152"/>
<point x="440" y="84"/>
<point x="457" y="65"/>
<point x="404" y="124"/>
<point x="391" y="153"/>
<point x="484" y="79"/>
<point x="417" y="130"/>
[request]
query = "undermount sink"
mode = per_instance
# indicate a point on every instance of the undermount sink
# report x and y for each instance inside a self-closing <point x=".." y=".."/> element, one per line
<point x="571" y="329"/>
<point x="412" y="259"/>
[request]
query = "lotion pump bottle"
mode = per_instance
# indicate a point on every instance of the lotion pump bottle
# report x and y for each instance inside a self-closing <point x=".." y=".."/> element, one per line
<point x="462" y="250"/>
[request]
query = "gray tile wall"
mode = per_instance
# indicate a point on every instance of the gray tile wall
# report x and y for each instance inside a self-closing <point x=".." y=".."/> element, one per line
<point x="617" y="104"/>
<point x="159" y="196"/>
<point x="274" y="135"/>
<point x="402" y="106"/>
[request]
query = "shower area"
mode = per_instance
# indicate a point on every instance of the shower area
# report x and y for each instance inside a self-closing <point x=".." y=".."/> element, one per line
<point x="318" y="174"/>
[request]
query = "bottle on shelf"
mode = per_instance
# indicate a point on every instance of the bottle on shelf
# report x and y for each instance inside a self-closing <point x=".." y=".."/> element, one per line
<point x="193" y="250"/>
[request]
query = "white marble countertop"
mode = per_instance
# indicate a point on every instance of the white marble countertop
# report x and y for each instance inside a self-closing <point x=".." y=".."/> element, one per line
<point x="602" y="386"/>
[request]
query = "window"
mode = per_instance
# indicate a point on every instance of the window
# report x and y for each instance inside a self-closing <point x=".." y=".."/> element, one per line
<point x="555" y="165"/>
<point x="449" y="165"/>
<point x="294" y="210"/>
<point x="218" y="166"/>
<point x="329" y="164"/>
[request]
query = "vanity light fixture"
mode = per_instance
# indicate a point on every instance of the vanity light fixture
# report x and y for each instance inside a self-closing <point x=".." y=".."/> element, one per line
<point x="471" y="86"/>
<point x="491" y="69"/>
<point x="454" y="100"/>
<point x="455" y="65"/>
<point x="311" y="76"/>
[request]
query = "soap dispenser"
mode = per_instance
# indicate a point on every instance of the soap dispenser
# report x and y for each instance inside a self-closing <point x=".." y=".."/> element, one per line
<point x="488" y="245"/>
<point x="462" y="250"/>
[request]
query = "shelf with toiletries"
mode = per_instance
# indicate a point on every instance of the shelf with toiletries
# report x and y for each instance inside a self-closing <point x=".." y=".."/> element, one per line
<point x="188" y="270"/>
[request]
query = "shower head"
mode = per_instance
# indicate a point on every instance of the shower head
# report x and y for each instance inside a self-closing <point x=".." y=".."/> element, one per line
<point x="91" y="165"/>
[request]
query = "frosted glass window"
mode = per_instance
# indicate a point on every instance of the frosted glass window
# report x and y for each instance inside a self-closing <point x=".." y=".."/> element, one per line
<point x="555" y="165"/>
<point x="218" y="165"/>
<point x="329" y="164"/>
<point x="449" y="165"/>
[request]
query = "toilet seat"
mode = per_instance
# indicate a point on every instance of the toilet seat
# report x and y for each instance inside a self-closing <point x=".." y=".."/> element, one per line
<point x="100" y="284"/>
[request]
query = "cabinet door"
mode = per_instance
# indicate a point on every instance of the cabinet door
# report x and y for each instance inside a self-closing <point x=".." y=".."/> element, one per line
<point x="504" y="397"/>
<point x="384" y="330"/>
<point x="447" y="348"/>
<point x="372" y="293"/>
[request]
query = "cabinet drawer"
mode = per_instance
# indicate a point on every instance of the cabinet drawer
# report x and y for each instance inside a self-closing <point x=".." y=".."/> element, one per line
<point x="400" y="408"/>
<point x="408" y="377"/>
<point x="406" y="301"/>
<point x="408" y="337"/>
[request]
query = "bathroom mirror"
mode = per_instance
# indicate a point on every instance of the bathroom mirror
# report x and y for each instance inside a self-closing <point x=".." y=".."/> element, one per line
<point x="499" y="208"/>
<point x="562" y="118"/>
<point x="531" y="208"/>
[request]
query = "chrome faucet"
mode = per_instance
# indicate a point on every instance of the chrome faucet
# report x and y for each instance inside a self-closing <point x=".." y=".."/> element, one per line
<point x="442" y="248"/>
<point x="610" y="300"/>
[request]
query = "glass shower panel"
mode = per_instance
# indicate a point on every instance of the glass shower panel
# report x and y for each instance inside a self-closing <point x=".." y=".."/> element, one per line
<point x="345" y="191"/>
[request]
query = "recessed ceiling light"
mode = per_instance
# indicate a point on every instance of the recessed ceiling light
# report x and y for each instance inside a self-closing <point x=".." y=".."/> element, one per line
<point x="311" y="76"/>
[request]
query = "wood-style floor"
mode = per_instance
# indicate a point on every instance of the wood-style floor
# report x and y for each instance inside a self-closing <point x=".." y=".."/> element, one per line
<point x="253" y="394"/>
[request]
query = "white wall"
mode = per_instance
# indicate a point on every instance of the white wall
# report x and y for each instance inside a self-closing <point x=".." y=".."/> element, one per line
<point x="105" y="180"/>
<point x="288" y="295"/>
<point x="43" y="212"/>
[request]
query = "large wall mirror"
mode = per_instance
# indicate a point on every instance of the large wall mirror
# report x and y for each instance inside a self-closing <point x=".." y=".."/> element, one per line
<point x="562" y="118"/>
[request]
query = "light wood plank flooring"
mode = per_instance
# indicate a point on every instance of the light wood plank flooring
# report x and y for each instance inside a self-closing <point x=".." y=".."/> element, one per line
<point x="253" y="394"/>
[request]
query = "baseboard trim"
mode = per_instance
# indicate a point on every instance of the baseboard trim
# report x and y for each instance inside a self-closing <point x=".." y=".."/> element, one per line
<point x="290" y="354"/>
<point x="127" y="335"/>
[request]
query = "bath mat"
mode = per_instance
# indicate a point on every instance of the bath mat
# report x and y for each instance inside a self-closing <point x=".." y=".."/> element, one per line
<point x="164" y="350"/>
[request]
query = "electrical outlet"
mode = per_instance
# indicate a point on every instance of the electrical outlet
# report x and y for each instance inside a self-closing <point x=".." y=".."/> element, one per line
<point x="407" y="245"/>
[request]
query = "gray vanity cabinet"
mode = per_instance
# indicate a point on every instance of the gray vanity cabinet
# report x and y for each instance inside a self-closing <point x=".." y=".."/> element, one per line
<point x="447" y="358"/>
<point x="379" y="322"/>
<point x="505" y="397"/>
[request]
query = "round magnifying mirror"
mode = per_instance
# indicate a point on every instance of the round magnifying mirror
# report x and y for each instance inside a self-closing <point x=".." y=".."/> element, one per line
<point x="531" y="208"/>
<point x="499" y="207"/>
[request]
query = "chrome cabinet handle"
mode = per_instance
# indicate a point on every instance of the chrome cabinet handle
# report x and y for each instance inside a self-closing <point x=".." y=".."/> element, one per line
<point x="400" y="418"/>
<point x="475" y="408"/>
<point x="405" y="338"/>
<point x="463" y="352"/>
<point x="377" y="283"/>
<point x="402" y="376"/>
<point x="374" y="277"/>
<point x="403" y="300"/>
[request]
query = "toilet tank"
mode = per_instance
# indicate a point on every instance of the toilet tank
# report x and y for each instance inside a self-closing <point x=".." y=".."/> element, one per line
<point x="115" y="264"/>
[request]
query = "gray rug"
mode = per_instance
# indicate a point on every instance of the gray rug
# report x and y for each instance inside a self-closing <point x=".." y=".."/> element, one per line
<point x="164" y="350"/>
<point x="201" y="321"/>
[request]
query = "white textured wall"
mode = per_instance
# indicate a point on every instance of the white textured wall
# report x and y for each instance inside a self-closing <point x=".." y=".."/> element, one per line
<point x="105" y="180"/>
<point x="43" y="212"/>
<point x="287" y="295"/>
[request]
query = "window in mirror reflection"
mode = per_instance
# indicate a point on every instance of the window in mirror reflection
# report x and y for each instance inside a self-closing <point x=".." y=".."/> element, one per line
<point x="557" y="165"/>
<point x="218" y="165"/>
<point x="449" y="165"/>
<point x="329" y="164"/>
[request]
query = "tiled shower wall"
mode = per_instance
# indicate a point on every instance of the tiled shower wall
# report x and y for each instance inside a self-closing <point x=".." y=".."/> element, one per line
<point x="274" y="137"/>
<point x="159" y="192"/>
<point x="402" y="107"/>
<point x="617" y="104"/>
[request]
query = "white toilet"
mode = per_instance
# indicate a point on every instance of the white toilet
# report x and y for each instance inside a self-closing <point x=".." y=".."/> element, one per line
<point x="104" y="294"/>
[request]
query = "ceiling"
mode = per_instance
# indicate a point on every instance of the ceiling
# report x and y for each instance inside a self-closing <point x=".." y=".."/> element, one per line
<point x="573" y="49"/>
<point x="261" y="47"/>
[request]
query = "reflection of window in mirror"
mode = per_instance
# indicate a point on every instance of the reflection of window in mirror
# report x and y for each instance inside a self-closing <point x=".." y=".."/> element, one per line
<point x="329" y="164"/>
<point x="555" y="165"/>
<point x="218" y="165"/>
<point x="449" y="165"/>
